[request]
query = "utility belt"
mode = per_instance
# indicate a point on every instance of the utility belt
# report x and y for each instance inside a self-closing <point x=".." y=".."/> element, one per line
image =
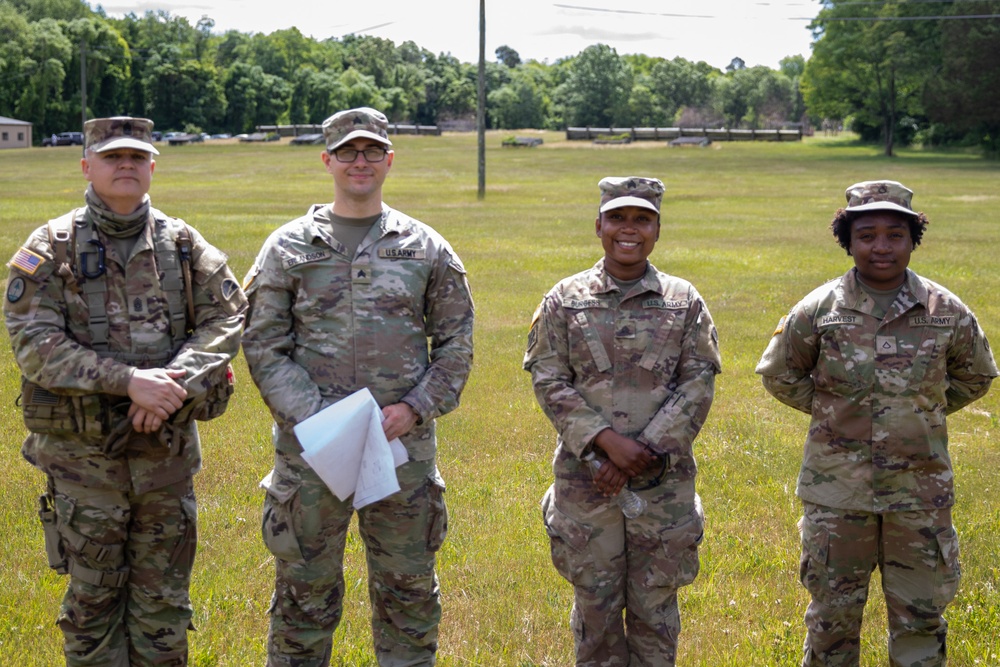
<point x="93" y="415"/>
<point x="102" y="415"/>
<point x="53" y="414"/>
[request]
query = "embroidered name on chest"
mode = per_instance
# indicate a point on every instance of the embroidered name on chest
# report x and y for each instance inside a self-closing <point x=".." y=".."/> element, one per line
<point x="579" y="304"/>
<point x="306" y="258"/>
<point x="932" y="320"/>
<point x="402" y="253"/>
<point x="837" y="318"/>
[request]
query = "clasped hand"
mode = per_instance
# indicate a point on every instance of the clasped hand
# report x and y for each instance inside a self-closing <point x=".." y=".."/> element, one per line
<point x="627" y="458"/>
<point x="155" y="395"/>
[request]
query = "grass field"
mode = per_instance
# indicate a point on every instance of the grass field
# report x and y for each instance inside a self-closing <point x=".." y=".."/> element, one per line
<point x="746" y="223"/>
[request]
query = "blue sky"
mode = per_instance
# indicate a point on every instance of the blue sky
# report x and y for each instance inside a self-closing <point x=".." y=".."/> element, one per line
<point x="716" y="31"/>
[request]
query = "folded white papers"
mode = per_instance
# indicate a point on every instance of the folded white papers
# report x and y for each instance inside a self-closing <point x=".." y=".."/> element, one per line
<point x="346" y="446"/>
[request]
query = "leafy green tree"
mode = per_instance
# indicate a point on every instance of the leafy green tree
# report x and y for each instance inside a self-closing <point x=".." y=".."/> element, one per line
<point x="13" y="55"/>
<point x="60" y="10"/>
<point x="373" y="56"/>
<point x="42" y="98"/>
<point x="108" y="67"/>
<point x="182" y="91"/>
<point x="793" y="67"/>
<point x="231" y="48"/>
<point x="521" y="103"/>
<point x="361" y="89"/>
<point x="507" y="56"/>
<point x="315" y="95"/>
<point x="681" y="83"/>
<point x="964" y="96"/>
<point x="598" y="88"/>
<point x="873" y="70"/>
<point x="254" y="98"/>
<point x="644" y="107"/>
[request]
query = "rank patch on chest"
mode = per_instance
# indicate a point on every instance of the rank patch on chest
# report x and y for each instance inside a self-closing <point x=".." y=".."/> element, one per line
<point x="885" y="345"/>
<point x="402" y="253"/>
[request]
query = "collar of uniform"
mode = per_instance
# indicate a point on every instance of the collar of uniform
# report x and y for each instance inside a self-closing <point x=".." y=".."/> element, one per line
<point x="854" y="295"/>
<point x="318" y="227"/>
<point x="603" y="283"/>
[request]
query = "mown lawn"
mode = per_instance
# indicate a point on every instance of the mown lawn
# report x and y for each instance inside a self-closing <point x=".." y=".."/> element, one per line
<point x="746" y="223"/>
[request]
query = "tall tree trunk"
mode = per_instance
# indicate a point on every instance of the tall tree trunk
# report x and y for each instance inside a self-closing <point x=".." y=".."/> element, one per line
<point x="890" y="118"/>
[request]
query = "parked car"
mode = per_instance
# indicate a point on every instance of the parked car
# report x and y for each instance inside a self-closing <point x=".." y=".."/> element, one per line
<point x="64" y="139"/>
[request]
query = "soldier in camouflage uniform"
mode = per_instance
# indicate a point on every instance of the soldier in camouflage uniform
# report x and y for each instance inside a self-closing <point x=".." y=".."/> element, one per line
<point x="122" y="320"/>
<point x="878" y="357"/>
<point x="356" y="294"/>
<point x="623" y="361"/>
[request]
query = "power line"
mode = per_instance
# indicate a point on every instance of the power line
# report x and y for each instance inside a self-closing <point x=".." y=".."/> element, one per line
<point x="633" y="12"/>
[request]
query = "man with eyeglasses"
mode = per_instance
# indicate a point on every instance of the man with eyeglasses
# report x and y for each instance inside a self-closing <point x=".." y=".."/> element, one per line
<point x="355" y="294"/>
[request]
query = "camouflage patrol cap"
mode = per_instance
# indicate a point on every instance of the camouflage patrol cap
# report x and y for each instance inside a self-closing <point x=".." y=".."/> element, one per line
<point x="104" y="134"/>
<point x="880" y="195"/>
<point x="620" y="191"/>
<point x="363" y="122"/>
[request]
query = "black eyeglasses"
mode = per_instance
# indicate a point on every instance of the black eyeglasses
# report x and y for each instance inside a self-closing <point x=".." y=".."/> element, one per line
<point x="372" y="154"/>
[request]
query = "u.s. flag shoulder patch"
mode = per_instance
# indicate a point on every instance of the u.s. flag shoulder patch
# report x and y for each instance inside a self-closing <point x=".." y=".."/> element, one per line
<point x="26" y="261"/>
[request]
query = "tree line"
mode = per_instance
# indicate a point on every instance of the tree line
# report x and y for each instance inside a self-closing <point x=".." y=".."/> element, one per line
<point x="898" y="79"/>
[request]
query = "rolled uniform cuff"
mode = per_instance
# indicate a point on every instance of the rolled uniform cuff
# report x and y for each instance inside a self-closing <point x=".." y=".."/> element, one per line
<point x="416" y="409"/>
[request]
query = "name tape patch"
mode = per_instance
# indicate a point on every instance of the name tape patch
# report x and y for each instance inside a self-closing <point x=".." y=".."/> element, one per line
<point x="402" y="253"/>
<point x="932" y="320"/>
<point x="837" y="318"/>
<point x="578" y="304"/>
<point x="306" y="258"/>
<point x="681" y="304"/>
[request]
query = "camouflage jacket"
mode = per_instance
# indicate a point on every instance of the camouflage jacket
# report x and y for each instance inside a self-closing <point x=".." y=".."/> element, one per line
<point x="49" y="327"/>
<point x="878" y="391"/>
<point x="323" y="325"/>
<point x="641" y="363"/>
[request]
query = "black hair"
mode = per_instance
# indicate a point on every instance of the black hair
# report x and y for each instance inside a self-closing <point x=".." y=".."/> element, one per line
<point x="842" y="219"/>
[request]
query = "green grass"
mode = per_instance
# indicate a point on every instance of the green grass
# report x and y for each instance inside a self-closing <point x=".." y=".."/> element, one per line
<point x="746" y="223"/>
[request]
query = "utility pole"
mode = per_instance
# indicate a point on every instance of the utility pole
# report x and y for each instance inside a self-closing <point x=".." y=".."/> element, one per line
<point x="481" y="106"/>
<point x="83" y="83"/>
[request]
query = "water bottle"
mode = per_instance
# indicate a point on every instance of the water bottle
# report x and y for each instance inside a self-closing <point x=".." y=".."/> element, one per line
<point x="630" y="503"/>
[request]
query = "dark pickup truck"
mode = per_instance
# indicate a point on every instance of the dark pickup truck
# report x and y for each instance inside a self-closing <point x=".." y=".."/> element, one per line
<point x="64" y="139"/>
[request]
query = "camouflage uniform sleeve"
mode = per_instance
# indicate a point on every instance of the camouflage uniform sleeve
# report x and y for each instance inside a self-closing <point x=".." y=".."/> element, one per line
<point x="971" y="367"/>
<point x="269" y="342"/>
<point x="788" y="361"/>
<point x="448" y="323"/>
<point x="219" y="307"/>
<point x="552" y="377"/>
<point x="676" y="424"/>
<point x="35" y="314"/>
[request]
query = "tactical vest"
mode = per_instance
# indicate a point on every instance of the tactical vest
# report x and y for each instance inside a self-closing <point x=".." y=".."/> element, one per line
<point x="80" y="262"/>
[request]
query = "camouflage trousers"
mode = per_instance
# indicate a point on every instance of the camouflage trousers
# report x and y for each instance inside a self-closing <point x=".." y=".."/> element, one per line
<point x="129" y="559"/>
<point x="616" y="565"/>
<point x="305" y="527"/>
<point x="917" y="553"/>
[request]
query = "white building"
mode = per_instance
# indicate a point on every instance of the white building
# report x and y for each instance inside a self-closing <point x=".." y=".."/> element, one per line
<point x="14" y="133"/>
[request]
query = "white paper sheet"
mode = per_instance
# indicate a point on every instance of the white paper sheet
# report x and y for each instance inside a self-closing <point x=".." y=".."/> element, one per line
<point x="346" y="446"/>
